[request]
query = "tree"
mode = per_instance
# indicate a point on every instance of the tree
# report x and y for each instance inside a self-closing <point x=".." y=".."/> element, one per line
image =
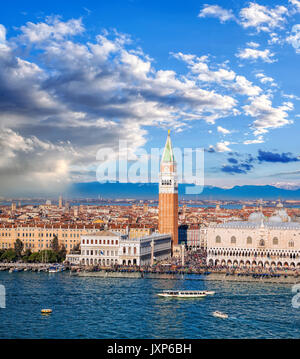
<point x="26" y="255"/>
<point x="19" y="247"/>
<point x="9" y="256"/>
<point x="54" y="244"/>
<point x="34" y="257"/>
<point x="62" y="253"/>
<point x="1" y="253"/>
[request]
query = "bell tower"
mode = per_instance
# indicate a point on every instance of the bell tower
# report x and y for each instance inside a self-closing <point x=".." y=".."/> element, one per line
<point x="168" y="194"/>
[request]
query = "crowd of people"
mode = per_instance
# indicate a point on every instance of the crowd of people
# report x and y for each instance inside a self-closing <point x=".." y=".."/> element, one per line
<point x="195" y="262"/>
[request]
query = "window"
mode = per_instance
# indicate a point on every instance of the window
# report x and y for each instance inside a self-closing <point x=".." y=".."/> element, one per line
<point x="249" y="240"/>
<point x="261" y="242"/>
<point x="291" y="244"/>
<point x="233" y="240"/>
<point x="275" y="241"/>
<point x="218" y="239"/>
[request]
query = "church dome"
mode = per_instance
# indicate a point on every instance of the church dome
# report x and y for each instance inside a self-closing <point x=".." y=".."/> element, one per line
<point x="280" y="215"/>
<point x="275" y="219"/>
<point x="256" y="217"/>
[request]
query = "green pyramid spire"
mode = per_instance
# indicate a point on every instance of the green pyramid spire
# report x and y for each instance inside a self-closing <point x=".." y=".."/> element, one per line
<point x="168" y="155"/>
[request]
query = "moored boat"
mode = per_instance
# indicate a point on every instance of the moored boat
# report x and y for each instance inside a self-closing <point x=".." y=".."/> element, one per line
<point x="182" y="294"/>
<point x="56" y="269"/>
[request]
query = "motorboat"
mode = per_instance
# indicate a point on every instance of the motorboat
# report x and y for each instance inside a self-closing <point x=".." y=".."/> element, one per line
<point x="56" y="269"/>
<point x="219" y="314"/>
<point x="182" y="294"/>
<point x="46" y="311"/>
<point x="209" y="292"/>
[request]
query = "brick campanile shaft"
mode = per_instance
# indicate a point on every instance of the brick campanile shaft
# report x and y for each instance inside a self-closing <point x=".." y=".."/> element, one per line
<point x="168" y="194"/>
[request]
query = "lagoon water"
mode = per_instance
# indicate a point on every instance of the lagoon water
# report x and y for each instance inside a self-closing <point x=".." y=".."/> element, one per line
<point x="129" y="308"/>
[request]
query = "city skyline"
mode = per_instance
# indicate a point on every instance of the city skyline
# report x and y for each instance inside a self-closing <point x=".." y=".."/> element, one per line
<point x="76" y="80"/>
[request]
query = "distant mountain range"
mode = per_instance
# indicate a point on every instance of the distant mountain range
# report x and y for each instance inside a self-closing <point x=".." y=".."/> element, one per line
<point x="150" y="191"/>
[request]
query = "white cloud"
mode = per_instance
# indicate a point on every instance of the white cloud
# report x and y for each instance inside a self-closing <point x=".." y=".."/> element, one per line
<point x="254" y="54"/>
<point x="294" y="38"/>
<point x="291" y="96"/>
<point x="223" y="76"/>
<point x="263" y="18"/>
<point x="199" y="66"/>
<point x="222" y="146"/>
<point x="275" y="39"/>
<point x="26" y="161"/>
<point x="216" y="76"/>
<point x="267" y="117"/>
<point x="53" y="28"/>
<point x="217" y="12"/>
<point x="252" y="44"/>
<point x="245" y="87"/>
<point x="2" y="34"/>
<point x="223" y="130"/>
<point x="88" y="96"/>
<point x="259" y="139"/>
<point x="296" y="4"/>
<point x="265" y="79"/>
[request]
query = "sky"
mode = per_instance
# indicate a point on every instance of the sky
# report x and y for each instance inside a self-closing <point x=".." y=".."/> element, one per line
<point x="77" y="78"/>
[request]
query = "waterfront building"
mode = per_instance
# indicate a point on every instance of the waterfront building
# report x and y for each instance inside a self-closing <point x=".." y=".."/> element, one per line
<point x="37" y="238"/>
<point x="107" y="248"/>
<point x="145" y="250"/>
<point x="260" y="241"/>
<point x="168" y="194"/>
<point x="101" y="248"/>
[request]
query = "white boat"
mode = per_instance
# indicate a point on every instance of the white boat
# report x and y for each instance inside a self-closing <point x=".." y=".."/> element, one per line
<point x="182" y="294"/>
<point x="209" y="292"/>
<point x="56" y="269"/>
<point x="53" y="270"/>
<point x="220" y="315"/>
